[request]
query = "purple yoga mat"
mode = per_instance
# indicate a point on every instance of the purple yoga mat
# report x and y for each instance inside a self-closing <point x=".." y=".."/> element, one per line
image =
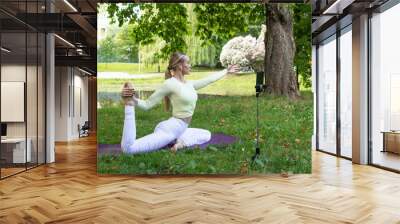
<point x="216" y="139"/>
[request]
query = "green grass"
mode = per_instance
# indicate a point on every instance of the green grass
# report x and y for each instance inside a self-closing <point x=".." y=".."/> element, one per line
<point x="285" y="127"/>
<point x="133" y="68"/>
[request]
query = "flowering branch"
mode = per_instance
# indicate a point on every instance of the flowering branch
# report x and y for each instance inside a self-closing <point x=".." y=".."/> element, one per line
<point x="245" y="51"/>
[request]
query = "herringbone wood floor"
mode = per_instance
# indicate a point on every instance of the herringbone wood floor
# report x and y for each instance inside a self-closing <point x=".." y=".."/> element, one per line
<point x="70" y="191"/>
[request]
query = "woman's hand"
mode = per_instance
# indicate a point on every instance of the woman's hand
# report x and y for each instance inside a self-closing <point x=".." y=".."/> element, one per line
<point x="127" y="94"/>
<point x="128" y="90"/>
<point x="233" y="69"/>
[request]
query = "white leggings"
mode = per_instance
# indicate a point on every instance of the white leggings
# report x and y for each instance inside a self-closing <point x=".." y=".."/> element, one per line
<point x="164" y="133"/>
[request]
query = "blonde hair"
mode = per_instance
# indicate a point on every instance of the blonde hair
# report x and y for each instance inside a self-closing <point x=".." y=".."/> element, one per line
<point x="176" y="59"/>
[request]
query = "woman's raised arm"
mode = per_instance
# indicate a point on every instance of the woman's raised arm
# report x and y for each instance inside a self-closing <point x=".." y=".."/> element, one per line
<point x="164" y="90"/>
<point x="198" y="84"/>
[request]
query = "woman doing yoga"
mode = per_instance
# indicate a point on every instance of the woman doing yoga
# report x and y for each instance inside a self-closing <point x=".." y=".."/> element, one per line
<point x="179" y="93"/>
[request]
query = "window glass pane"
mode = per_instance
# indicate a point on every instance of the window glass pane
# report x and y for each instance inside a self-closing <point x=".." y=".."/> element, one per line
<point x="32" y="82"/>
<point x="41" y="98"/>
<point x="346" y="92"/>
<point x="22" y="87"/>
<point x="386" y="88"/>
<point x="13" y="85"/>
<point x="327" y="95"/>
<point x="31" y="97"/>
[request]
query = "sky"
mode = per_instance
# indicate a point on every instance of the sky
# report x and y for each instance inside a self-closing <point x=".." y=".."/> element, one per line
<point x="102" y="18"/>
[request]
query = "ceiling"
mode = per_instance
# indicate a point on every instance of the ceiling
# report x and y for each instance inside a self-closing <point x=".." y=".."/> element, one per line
<point x="332" y="15"/>
<point x="73" y="21"/>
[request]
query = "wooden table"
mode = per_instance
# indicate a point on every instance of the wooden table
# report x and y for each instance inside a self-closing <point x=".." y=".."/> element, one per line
<point x="13" y="150"/>
<point x="391" y="141"/>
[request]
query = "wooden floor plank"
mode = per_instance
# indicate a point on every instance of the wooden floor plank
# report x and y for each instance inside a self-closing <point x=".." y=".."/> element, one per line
<point x="70" y="191"/>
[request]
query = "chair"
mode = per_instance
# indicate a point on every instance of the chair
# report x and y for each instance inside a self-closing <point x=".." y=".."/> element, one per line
<point x="84" y="130"/>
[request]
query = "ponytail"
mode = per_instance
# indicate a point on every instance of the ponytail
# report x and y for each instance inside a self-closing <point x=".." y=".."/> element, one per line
<point x="175" y="59"/>
<point x="167" y="102"/>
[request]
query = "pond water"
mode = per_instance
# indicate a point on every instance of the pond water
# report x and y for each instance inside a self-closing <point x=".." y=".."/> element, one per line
<point x="124" y="75"/>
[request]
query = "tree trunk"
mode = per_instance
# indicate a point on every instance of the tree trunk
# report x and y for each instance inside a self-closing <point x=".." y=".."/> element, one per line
<point x="280" y="78"/>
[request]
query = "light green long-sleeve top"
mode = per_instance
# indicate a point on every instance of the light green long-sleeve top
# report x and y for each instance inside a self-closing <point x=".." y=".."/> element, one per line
<point x="183" y="96"/>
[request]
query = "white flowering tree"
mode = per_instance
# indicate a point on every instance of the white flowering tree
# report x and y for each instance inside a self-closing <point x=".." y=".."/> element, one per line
<point x="237" y="51"/>
<point x="245" y="51"/>
<point x="258" y="52"/>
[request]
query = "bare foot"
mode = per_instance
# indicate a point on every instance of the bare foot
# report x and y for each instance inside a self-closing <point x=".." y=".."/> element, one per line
<point x="127" y="94"/>
<point x="178" y="145"/>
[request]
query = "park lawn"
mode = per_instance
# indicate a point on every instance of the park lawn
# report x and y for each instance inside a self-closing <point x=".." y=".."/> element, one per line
<point x="130" y="68"/>
<point x="133" y="68"/>
<point x="285" y="127"/>
<point x="233" y="85"/>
